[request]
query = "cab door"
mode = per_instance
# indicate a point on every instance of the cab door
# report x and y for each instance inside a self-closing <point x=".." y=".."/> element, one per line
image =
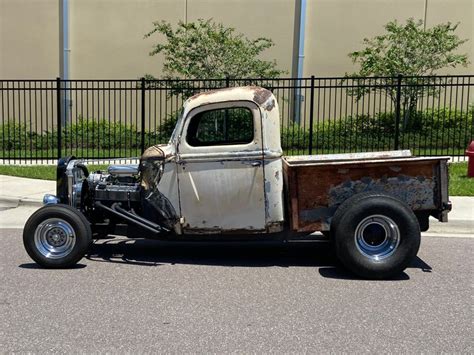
<point x="220" y="169"/>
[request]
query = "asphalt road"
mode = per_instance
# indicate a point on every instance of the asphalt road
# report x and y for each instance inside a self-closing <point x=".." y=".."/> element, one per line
<point x="141" y="296"/>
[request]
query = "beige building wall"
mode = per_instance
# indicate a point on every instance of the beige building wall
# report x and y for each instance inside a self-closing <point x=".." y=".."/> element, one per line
<point x="106" y="36"/>
<point x="273" y="19"/>
<point x="462" y="11"/>
<point x="335" y="28"/>
<point x="29" y="39"/>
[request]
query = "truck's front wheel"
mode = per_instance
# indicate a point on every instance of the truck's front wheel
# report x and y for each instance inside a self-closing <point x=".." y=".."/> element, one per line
<point x="376" y="236"/>
<point x="57" y="236"/>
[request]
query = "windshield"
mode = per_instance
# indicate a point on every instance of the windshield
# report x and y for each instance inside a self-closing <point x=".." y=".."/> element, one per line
<point x="174" y="135"/>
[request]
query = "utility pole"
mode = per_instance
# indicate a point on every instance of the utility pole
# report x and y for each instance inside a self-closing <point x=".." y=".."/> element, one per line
<point x="64" y="52"/>
<point x="298" y="56"/>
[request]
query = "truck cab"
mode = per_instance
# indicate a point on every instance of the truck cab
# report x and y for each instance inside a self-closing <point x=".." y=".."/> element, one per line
<point x="224" y="169"/>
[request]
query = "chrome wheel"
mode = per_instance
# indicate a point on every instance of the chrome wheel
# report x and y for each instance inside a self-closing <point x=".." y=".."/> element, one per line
<point x="377" y="237"/>
<point x="54" y="238"/>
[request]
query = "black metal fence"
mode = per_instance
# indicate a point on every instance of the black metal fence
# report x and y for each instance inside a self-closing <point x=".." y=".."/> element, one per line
<point x="104" y="119"/>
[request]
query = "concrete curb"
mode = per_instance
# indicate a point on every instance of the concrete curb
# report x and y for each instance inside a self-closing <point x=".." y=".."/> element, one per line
<point x="446" y="235"/>
<point x="17" y="202"/>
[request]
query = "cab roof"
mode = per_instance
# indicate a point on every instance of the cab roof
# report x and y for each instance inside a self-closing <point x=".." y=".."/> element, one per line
<point x="260" y="96"/>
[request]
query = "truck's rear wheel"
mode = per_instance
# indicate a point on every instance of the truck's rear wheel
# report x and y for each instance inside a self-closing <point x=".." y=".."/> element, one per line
<point x="57" y="236"/>
<point x="376" y="236"/>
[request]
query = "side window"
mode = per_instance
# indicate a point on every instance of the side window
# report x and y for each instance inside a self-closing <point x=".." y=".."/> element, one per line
<point x="233" y="125"/>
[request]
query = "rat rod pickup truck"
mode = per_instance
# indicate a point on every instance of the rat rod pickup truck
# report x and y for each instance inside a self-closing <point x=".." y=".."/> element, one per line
<point x="222" y="177"/>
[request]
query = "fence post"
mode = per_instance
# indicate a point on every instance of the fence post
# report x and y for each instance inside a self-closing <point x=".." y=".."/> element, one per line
<point x="311" y="118"/>
<point x="142" y="146"/>
<point x="227" y="82"/>
<point x="397" y="112"/>
<point x="59" y="118"/>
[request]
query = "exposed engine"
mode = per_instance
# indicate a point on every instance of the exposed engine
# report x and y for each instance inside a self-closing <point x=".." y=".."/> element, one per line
<point x="127" y="192"/>
<point x="121" y="183"/>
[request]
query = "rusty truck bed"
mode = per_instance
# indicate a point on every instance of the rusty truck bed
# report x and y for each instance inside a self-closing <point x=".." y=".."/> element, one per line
<point x="318" y="184"/>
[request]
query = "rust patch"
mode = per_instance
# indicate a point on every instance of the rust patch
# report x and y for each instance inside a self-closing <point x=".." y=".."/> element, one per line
<point x="274" y="227"/>
<point x="269" y="105"/>
<point x="261" y="95"/>
<point x="313" y="226"/>
<point x="153" y="152"/>
<point x="315" y="191"/>
<point x="416" y="191"/>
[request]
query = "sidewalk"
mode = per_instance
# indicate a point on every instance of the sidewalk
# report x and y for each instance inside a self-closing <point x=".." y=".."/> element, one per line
<point x="460" y="220"/>
<point x="20" y="197"/>
<point x="23" y="190"/>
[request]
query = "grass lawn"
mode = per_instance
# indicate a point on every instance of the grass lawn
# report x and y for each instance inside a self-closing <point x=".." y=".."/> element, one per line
<point x="459" y="183"/>
<point x="43" y="172"/>
<point x="95" y="153"/>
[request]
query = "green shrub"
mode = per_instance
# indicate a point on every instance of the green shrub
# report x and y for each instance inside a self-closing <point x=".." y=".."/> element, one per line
<point x="428" y="129"/>
<point x="102" y="134"/>
<point x="15" y="136"/>
<point x="85" y="133"/>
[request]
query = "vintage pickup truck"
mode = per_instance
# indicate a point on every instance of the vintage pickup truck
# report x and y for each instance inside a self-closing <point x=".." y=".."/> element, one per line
<point x="222" y="176"/>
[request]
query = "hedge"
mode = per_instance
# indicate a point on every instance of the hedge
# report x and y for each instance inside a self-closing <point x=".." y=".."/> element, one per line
<point x="442" y="128"/>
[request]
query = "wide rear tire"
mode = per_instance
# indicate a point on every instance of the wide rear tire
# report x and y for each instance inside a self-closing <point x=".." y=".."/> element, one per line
<point x="57" y="236"/>
<point x="376" y="235"/>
